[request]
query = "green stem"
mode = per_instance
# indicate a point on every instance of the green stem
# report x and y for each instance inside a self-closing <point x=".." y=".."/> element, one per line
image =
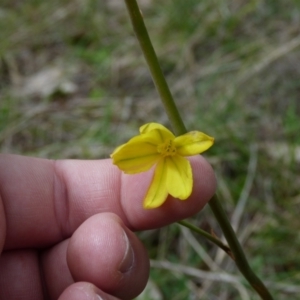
<point x="153" y="64"/>
<point x="179" y="128"/>
<point x="236" y="249"/>
<point x="208" y="236"/>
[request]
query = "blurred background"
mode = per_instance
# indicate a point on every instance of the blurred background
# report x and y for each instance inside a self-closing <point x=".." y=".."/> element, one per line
<point x="74" y="84"/>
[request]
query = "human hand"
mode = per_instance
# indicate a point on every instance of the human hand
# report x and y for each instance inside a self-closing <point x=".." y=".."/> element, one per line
<point x="66" y="227"/>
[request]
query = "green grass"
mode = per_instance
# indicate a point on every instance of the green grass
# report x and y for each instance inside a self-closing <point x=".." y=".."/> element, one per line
<point x="232" y="67"/>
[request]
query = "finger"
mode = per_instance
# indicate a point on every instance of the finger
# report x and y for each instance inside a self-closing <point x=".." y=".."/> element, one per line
<point x="84" y="291"/>
<point x="2" y="224"/>
<point x="55" y="270"/>
<point x="27" y="193"/>
<point x="46" y="201"/>
<point x="20" y="276"/>
<point x="104" y="252"/>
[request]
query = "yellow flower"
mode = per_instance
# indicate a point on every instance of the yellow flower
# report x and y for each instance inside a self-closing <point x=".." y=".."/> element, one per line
<point x="173" y="172"/>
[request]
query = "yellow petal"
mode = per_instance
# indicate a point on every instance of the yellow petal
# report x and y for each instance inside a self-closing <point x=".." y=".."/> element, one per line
<point x="157" y="192"/>
<point x="193" y="143"/>
<point x="163" y="131"/>
<point x="179" y="177"/>
<point x="155" y="137"/>
<point x="135" y="156"/>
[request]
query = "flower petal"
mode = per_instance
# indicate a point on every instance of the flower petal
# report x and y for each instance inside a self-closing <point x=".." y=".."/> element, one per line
<point x="136" y="156"/>
<point x="193" y="143"/>
<point x="163" y="131"/>
<point x="179" y="177"/>
<point x="157" y="192"/>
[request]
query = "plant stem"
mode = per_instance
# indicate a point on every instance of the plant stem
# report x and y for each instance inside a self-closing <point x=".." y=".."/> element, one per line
<point x="210" y="237"/>
<point x="153" y="64"/>
<point x="179" y="128"/>
<point x="236" y="249"/>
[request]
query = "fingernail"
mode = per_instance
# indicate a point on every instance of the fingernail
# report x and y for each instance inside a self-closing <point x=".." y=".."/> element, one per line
<point x="86" y="292"/>
<point x="127" y="262"/>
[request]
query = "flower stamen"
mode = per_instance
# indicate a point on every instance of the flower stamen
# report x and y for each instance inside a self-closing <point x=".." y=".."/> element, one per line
<point x="167" y="148"/>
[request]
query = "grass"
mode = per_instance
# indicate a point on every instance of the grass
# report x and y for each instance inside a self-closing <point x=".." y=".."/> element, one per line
<point x="232" y="67"/>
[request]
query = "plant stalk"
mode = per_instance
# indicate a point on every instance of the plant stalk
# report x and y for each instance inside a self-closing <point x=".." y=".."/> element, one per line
<point x="179" y="129"/>
<point x="208" y="236"/>
<point x="153" y="64"/>
<point x="236" y="249"/>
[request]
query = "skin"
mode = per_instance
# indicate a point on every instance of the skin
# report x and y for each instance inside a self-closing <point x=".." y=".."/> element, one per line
<point x="66" y="227"/>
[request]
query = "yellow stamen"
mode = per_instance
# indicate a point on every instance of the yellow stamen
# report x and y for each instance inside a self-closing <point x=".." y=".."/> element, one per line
<point x="167" y="148"/>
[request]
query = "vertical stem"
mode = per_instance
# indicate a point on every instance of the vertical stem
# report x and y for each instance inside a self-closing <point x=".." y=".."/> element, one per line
<point x="153" y="64"/>
<point x="179" y="128"/>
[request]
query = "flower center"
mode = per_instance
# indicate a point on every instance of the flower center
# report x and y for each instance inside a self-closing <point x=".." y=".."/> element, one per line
<point x="167" y="148"/>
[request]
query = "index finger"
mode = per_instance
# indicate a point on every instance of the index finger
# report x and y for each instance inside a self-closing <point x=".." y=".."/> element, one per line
<point x="45" y="201"/>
